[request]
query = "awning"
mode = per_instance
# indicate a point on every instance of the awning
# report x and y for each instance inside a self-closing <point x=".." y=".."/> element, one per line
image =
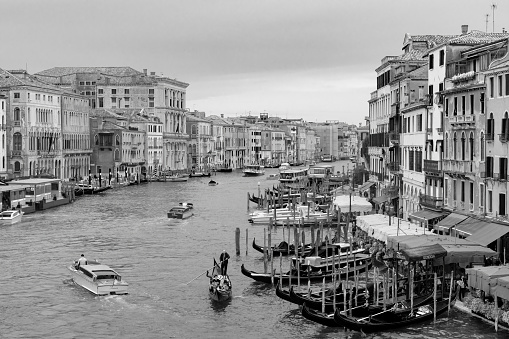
<point x="426" y="215"/>
<point x="424" y="253"/>
<point x="466" y="254"/>
<point x="470" y="226"/>
<point x="449" y="221"/>
<point x="380" y="200"/>
<point x="366" y="186"/>
<point x="489" y="233"/>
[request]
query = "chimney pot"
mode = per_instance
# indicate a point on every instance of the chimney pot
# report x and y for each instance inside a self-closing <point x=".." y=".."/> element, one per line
<point x="464" y="29"/>
<point x="222" y="115"/>
<point x="145" y="71"/>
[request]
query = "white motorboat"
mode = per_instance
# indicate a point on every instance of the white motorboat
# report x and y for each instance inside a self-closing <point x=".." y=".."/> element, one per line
<point x="182" y="211"/>
<point x="253" y="170"/>
<point x="10" y="217"/>
<point x="98" y="278"/>
<point x="273" y="176"/>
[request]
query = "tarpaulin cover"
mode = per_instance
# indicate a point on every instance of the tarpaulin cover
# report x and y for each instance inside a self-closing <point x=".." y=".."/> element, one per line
<point x="485" y="278"/>
<point x="377" y="226"/>
<point x="489" y="233"/>
<point x="358" y="204"/>
<point x="425" y="215"/>
<point x="424" y="253"/>
<point x="466" y="254"/>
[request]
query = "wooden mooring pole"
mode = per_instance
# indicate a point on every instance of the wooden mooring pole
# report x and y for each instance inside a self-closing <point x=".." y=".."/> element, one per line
<point x="237" y="241"/>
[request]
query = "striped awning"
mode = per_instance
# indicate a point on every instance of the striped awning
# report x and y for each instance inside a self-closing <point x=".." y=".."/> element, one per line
<point x="449" y="221"/>
<point x="426" y="215"/>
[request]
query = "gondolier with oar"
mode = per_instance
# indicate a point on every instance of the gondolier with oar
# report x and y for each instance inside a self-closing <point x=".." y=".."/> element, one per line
<point x="224" y="261"/>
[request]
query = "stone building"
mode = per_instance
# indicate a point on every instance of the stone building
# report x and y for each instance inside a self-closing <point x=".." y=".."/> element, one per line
<point x="125" y="87"/>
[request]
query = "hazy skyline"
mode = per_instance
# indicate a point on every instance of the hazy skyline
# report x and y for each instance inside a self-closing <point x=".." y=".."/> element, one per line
<point x="298" y="59"/>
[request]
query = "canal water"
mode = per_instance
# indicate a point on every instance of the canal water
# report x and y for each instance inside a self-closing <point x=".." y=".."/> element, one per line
<point x="128" y="229"/>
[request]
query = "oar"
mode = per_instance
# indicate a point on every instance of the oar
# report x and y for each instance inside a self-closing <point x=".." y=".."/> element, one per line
<point x="203" y="273"/>
<point x="362" y="319"/>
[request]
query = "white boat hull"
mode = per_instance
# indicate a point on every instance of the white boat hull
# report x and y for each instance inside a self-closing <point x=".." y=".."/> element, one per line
<point x="103" y="287"/>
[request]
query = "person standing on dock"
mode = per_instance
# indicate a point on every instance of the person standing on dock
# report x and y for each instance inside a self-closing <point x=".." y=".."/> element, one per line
<point x="224" y="261"/>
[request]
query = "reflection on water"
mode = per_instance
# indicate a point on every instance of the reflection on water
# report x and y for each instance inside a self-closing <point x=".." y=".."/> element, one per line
<point x="128" y="230"/>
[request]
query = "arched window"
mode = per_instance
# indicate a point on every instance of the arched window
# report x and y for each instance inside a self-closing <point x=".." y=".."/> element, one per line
<point x="490" y="127"/>
<point x="455" y="147"/>
<point x="17" y="167"/>
<point x="482" y="146"/>
<point x="17" y="142"/>
<point x="471" y="145"/>
<point x="505" y="128"/>
<point x="463" y="146"/>
<point x="17" y="114"/>
<point x="117" y="140"/>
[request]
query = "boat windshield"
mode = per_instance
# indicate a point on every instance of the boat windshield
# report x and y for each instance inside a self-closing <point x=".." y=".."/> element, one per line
<point x="105" y="275"/>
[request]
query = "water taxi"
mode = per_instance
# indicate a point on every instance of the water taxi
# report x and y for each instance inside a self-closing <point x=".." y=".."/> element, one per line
<point x="320" y="171"/>
<point x="273" y="176"/>
<point x="294" y="178"/>
<point x="10" y="217"/>
<point x="253" y="170"/>
<point x="98" y="278"/>
<point x="284" y="166"/>
<point x="183" y="211"/>
<point x="327" y="158"/>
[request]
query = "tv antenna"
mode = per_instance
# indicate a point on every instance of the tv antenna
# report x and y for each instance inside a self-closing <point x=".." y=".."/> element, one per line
<point x="487" y="16"/>
<point x="493" y="7"/>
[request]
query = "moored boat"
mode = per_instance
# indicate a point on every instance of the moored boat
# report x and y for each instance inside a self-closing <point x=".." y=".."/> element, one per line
<point x="199" y="174"/>
<point x="220" y="286"/>
<point x="213" y="183"/>
<point x="98" y="278"/>
<point x="283" y="249"/>
<point x="253" y="170"/>
<point x="183" y="211"/>
<point x="293" y="277"/>
<point x="9" y="217"/>
<point x="398" y="316"/>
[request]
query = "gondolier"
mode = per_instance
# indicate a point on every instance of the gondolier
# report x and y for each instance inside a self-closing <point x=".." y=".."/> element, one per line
<point x="224" y="261"/>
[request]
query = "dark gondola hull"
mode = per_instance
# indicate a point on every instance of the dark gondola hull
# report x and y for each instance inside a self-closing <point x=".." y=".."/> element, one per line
<point x="294" y="279"/>
<point x="276" y="252"/>
<point x="319" y="317"/>
<point x="377" y="324"/>
<point x="316" y="302"/>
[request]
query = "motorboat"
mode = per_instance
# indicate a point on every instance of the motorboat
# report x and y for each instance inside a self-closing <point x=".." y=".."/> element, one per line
<point x="182" y="211"/>
<point x="253" y="170"/>
<point x="213" y="183"/>
<point x="199" y="174"/>
<point x="98" y="278"/>
<point x="10" y="217"/>
<point x="284" y="166"/>
<point x="176" y="178"/>
<point x="273" y="176"/>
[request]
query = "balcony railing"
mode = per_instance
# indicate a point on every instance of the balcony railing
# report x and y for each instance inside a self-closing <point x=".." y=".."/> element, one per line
<point x="458" y="166"/>
<point x="431" y="202"/>
<point x="432" y="166"/>
<point x="394" y="137"/>
<point x="490" y="136"/>
<point x="503" y="137"/>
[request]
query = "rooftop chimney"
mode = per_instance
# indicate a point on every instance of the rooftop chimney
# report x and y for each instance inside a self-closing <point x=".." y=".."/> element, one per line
<point x="152" y="73"/>
<point x="222" y="115"/>
<point x="145" y="71"/>
<point x="464" y="29"/>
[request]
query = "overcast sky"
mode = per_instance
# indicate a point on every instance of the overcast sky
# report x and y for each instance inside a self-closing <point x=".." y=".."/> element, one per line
<point x="311" y="59"/>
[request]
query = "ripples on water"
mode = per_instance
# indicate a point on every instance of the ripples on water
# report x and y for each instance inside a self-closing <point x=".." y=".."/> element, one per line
<point x="128" y="229"/>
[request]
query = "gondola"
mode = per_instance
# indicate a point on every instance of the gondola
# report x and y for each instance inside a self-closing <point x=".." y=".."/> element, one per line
<point x="220" y="286"/>
<point x="315" y="301"/>
<point x="362" y="310"/>
<point x="212" y="183"/>
<point x="398" y="317"/>
<point x="326" y="319"/>
<point x="282" y="249"/>
<point x="304" y="277"/>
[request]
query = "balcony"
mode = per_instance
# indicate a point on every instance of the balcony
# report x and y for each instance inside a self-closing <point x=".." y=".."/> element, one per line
<point x="440" y="130"/>
<point x="490" y="137"/>
<point x="394" y="137"/>
<point x="433" y="167"/>
<point x="431" y="202"/>
<point x="458" y="167"/>
<point x="503" y="137"/>
<point x="462" y="121"/>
